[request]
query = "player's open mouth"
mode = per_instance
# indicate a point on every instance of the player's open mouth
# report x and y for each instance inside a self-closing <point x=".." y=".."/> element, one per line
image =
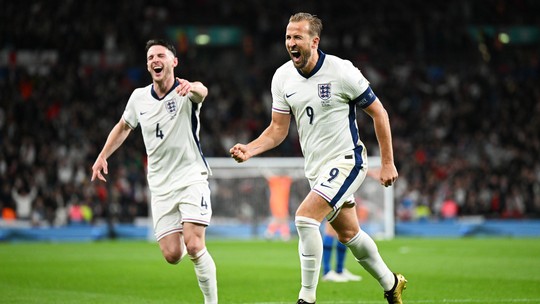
<point x="295" y="55"/>
<point x="158" y="69"/>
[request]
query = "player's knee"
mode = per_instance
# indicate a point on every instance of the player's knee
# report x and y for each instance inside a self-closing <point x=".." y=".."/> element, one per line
<point x="194" y="246"/>
<point x="171" y="256"/>
<point x="346" y="235"/>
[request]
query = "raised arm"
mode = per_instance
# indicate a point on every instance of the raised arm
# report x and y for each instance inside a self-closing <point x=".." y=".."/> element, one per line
<point x="116" y="137"/>
<point x="270" y="138"/>
<point x="383" y="132"/>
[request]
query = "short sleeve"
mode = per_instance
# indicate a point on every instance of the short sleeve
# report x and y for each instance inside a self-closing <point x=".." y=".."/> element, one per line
<point x="130" y="113"/>
<point x="354" y="83"/>
<point x="279" y="104"/>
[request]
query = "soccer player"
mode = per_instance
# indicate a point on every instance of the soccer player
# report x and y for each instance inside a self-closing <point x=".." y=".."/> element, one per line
<point x="168" y="112"/>
<point x="322" y="92"/>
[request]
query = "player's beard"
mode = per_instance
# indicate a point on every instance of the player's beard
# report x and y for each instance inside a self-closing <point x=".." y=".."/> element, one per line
<point x="304" y="59"/>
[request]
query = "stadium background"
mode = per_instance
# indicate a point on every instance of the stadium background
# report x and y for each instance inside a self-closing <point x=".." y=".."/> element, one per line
<point x="460" y="80"/>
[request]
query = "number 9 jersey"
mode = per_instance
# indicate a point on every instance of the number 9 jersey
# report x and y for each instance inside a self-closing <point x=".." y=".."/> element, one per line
<point x="324" y="107"/>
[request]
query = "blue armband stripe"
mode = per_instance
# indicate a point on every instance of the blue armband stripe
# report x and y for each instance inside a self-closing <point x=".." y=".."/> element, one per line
<point x="366" y="98"/>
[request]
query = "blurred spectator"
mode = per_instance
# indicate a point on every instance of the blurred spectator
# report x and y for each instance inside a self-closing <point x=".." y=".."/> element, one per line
<point x="8" y="214"/>
<point x="79" y="213"/>
<point x="422" y="213"/>
<point x="406" y="208"/>
<point x="24" y="196"/>
<point x="449" y="209"/>
<point x="38" y="214"/>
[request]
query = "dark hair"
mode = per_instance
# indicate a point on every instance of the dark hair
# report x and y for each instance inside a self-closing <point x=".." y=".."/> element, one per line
<point x="315" y="24"/>
<point x="161" y="42"/>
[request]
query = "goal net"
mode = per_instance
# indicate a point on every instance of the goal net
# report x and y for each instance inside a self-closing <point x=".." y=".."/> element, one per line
<point x="248" y="198"/>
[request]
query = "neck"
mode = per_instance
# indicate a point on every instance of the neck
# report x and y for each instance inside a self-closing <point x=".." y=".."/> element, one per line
<point x="162" y="87"/>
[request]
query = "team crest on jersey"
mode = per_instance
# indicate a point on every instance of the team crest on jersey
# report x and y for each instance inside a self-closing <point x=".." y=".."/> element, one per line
<point x="171" y="106"/>
<point x="325" y="91"/>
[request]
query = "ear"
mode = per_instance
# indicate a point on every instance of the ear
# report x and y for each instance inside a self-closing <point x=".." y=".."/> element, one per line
<point x="315" y="42"/>
<point x="175" y="62"/>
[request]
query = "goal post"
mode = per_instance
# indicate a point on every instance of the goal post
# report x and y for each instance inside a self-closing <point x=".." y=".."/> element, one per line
<point x="240" y="194"/>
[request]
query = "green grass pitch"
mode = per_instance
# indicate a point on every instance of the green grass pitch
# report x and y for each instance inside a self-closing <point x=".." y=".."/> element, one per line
<point x="490" y="270"/>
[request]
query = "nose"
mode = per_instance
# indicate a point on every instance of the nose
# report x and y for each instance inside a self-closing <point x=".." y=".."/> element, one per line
<point x="291" y="43"/>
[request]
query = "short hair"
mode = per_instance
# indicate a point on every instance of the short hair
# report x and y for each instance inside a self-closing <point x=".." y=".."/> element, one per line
<point x="161" y="42"/>
<point x="315" y="24"/>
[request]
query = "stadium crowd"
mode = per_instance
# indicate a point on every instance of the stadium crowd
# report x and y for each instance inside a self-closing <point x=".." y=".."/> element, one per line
<point x="464" y="105"/>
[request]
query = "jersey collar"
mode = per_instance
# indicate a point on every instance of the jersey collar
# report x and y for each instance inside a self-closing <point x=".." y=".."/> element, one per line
<point x="154" y="94"/>
<point x="317" y="66"/>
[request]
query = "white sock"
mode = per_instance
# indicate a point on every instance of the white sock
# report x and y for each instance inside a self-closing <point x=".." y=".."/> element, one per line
<point x="205" y="270"/>
<point x="310" y="250"/>
<point x="366" y="253"/>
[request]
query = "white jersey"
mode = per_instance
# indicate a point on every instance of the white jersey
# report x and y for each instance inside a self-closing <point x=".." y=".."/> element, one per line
<point x="324" y="106"/>
<point x="170" y="128"/>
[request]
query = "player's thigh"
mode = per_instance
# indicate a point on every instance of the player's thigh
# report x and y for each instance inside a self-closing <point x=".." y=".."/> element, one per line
<point x="196" y="210"/>
<point x="170" y="244"/>
<point x="346" y="223"/>
<point x="314" y="206"/>
<point x="194" y="237"/>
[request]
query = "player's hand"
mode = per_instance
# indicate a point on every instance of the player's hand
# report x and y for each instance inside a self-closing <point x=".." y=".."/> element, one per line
<point x="388" y="175"/>
<point x="239" y="153"/>
<point x="99" y="165"/>
<point x="184" y="87"/>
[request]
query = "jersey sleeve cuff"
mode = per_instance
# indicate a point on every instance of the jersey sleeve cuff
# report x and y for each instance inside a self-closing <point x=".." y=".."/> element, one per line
<point x="366" y="98"/>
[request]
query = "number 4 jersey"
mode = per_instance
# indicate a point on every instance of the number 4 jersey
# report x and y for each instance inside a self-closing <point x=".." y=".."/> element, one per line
<point x="170" y="128"/>
<point x="324" y="106"/>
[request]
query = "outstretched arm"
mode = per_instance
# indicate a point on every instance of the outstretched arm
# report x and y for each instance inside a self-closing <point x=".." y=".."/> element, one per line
<point x="115" y="139"/>
<point x="383" y="132"/>
<point x="271" y="137"/>
<point x="196" y="91"/>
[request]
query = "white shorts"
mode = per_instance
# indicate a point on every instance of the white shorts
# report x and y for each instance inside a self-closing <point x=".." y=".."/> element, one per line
<point x="340" y="179"/>
<point x="189" y="204"/>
